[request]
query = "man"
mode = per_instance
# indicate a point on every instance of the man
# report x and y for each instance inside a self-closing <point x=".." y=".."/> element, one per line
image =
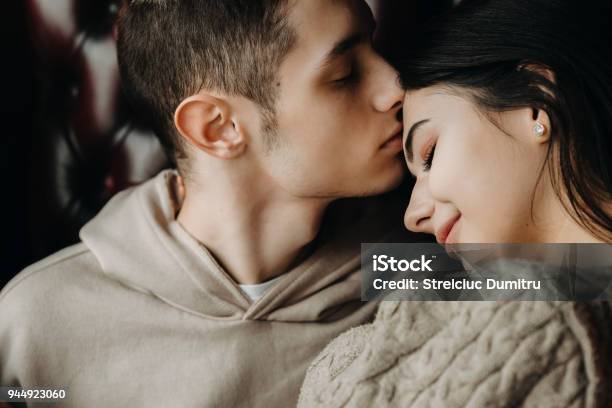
<point x="216" y="285"/>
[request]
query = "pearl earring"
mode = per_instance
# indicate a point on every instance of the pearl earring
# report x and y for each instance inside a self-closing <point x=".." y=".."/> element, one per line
<point x="539" y="129"/>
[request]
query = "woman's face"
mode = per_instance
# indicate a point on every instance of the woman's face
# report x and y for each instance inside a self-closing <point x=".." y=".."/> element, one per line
<point x="476" y="174"/>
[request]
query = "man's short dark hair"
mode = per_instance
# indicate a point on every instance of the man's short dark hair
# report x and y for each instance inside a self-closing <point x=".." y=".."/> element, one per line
<point x="171" y="49"/>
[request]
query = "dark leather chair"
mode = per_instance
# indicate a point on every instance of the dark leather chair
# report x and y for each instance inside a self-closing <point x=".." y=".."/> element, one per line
<point x="88" y="144"/>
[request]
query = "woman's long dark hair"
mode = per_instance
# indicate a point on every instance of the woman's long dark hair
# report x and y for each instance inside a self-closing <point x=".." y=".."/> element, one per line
<point x="502" y="53"/>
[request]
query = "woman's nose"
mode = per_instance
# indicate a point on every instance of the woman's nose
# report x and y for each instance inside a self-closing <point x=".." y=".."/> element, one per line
<point x="420" y="210"/>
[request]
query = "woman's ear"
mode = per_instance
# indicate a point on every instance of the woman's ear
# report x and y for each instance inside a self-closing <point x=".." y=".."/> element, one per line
<point x="540" y="125"/>
<point x="530" y="125"/>
<point x="206" y="122"/>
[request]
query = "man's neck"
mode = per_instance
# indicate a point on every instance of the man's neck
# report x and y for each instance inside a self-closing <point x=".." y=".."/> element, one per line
<point x="254" y="235"/>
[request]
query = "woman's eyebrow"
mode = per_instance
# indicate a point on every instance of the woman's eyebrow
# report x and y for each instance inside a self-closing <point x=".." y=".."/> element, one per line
<point x="410" y="137"/>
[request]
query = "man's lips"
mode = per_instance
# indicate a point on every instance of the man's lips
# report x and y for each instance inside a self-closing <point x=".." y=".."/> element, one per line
<point x="444" y="232"/>
<point x="395" y="141"/>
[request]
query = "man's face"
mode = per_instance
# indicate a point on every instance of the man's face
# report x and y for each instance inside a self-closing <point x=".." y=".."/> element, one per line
<point x="337" y="108"/>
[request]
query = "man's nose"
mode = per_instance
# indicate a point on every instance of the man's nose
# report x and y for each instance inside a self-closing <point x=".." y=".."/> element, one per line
<point x="388" y="93"/>
<point x="420" y="210"/>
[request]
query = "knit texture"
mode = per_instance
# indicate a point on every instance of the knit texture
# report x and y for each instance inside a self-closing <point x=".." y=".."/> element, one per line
<point x="467" y="354"/>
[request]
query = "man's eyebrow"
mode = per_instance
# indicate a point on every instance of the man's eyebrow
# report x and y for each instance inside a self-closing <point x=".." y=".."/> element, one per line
<point x="343" y="46"/>
<point x="410" y="136"/>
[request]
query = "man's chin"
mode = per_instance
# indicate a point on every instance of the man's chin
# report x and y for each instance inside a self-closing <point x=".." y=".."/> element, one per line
<point x="394" y="178"/>
<point x="383" y="184"/>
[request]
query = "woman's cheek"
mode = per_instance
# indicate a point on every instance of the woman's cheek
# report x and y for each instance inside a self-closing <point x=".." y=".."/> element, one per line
<point x="439" y="184"/>
<point x="447" y="174"/>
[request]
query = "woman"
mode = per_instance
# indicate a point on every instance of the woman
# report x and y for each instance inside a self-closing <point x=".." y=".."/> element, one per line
<point x="508" y="118"/>
<point x="508" y="131"/>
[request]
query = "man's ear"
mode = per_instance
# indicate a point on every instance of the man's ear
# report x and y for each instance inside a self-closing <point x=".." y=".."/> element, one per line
<point x="206" y="122"/>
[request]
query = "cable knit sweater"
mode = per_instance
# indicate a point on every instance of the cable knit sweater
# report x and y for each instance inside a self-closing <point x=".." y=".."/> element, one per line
<point x="468" y="354"/>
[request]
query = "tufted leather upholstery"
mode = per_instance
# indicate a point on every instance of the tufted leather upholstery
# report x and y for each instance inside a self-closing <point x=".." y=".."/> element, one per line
<point x="88" y="145"/>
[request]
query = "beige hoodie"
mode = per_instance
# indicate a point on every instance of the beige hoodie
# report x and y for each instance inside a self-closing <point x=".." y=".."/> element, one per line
<point x="140" y="315"/>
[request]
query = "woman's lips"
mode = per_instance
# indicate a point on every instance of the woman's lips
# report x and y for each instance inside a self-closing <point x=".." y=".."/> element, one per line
<point x="451" y="237"/>
<point x="446" y="234"/>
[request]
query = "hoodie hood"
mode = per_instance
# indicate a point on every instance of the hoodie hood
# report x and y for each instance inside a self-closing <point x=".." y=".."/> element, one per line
<point x="138" y="242"/>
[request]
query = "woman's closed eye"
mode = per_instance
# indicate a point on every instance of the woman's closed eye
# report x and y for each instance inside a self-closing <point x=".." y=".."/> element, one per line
<point x="429" y="155"/>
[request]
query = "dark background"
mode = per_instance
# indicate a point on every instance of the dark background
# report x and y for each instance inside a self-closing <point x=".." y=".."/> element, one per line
<point x="18" y="103"/>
